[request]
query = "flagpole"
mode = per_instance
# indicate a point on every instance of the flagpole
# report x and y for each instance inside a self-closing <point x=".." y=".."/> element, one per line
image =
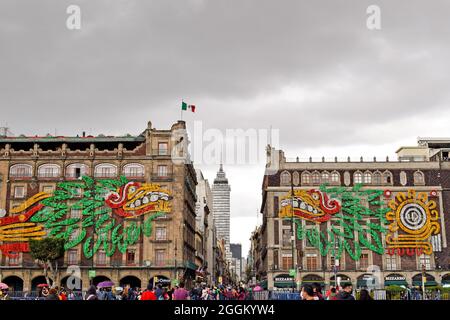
<point x="181" y="111"/>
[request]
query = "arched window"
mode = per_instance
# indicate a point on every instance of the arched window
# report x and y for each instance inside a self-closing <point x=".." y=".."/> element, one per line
<point x="105" y="170"/>
<point x="76" y="170"/>
<point x="49" y="171"/>
<point x="357" y="177"/>
<point x="377" y="178"/>
<point x="316" y="178"/>
<point x="21" y="171"/>
<point x="296" y="178"/>
<point x="325" y="177"/>
<point x="419" y="178"/>
<point x="134" y="170"/>
<point x="387" y="178"/>
<point x="306" y="178"/>
<point x="367" y="177"/>
<point x="285" y="178"/>
<point x="335" y="177"/>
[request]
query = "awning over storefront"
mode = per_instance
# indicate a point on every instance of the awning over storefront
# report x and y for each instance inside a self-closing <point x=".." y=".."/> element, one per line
<point x="313" y="278"/>
<point x="395" y="280"/>
<point x="284" y="281"/>
<point x="263" y="284"/>
<point x="446" y="279"/>
<point x="430" y="281"/>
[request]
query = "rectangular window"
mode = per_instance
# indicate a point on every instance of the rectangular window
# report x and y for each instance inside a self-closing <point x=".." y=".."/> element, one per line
<point x="72" y="257"/>
<point x="391" y="262"/>
<point x="75" y="213"/>
<point x="49" y="172"/>
<point x="364" y="261"/>
<point x="311" y="261"/>
<point x="47" y="189"/>
<point x="162" y="171"/>
<point x="163" y="149"/>
<point x="14" y="260"/>
<point x="276" y="265"/>
<point x="131" y="257"/>
<point x="101" y="258"/>
<point x="75" y="233"/>
<point x="276" y="232"/>
<point x="287" y="238"/>
<point x="286" y="262"/>
<point x="425" y="260"/>
<point x="161" y="233"/>
<point x="19" y="192"/>
<point x="160" y="257"/>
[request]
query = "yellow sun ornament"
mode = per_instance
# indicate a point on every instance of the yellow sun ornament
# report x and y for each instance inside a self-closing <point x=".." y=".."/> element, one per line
<point x="414" y="219"/>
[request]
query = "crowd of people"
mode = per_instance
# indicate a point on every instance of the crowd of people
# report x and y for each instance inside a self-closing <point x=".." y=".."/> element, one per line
<point x="158" y="292"/>
<point x="198" y="292"/>
<point x="345" y="292"/>
<point x="152" y="292"/>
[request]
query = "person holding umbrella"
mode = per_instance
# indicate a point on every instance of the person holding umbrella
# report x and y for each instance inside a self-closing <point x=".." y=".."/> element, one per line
<point x="106" y="286"/>
<point x="43" y="291"/>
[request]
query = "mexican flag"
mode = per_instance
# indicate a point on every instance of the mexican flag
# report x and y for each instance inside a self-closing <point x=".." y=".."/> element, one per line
<point x="185" y="106"/>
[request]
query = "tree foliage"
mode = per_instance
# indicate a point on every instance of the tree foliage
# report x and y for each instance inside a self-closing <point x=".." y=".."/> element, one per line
<point x="47" y="250"/>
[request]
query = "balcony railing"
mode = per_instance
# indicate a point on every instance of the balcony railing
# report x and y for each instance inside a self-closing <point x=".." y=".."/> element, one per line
<point x="161" y="177"/>
<point x="49" y="175"/>
<point x="161" y="153"/>
<point x="19" y="175"/>
<point x="105" y="175"/>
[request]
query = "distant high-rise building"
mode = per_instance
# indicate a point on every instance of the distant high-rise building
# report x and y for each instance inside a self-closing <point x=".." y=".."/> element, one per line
<point x="221" y="208"/>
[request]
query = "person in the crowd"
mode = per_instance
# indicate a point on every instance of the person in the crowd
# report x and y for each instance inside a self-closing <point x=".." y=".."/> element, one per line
<point x="241" y="294"/>
<point x="165" y="294"/>
<point x="42" y="293"/>
<point x="364" y="295"/>
<point x="346" y="293"/>
<point x="62" y="294"/>
<point x="159" y="292"/>
<point x="307" y="292"/>
<point x="71" y="295"/>
<point x="180" y="293"/>
<point x="52" y="294"/>
<point x="91" y="294"/>
<point x="333" y="294"/>
<point x="317" y="288"/>
<point x="4" y="295"/>
<point x="149" y="294"/>
<point x="109" y="294"/>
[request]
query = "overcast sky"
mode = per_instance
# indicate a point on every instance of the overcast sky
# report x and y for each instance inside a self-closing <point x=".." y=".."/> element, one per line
<point x="311" y="69"/>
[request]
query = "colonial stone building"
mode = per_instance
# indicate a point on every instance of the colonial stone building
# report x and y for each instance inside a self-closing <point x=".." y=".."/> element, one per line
<point x="375" y="223"/>
<point x="125" y="206"/>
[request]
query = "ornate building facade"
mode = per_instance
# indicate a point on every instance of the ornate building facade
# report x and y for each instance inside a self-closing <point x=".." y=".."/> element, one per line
<point x="124" y="205"/>
<point x="373" y="224"/>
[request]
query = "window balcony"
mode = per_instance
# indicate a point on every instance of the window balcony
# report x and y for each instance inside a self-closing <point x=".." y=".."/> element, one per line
<point x="162" y="177"/>
<point x="161" y="153"/>
<point x="20" y="176"/>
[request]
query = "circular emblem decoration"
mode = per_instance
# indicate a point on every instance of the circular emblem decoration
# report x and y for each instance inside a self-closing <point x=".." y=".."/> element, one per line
<point x="387" y="193"/>
<point x="2" y="213"/>
<point x="433" y="193"/>
<point x="413" y="216"/>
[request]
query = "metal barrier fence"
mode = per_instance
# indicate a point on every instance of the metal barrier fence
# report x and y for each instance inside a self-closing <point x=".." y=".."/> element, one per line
<point x="23" y="295"/>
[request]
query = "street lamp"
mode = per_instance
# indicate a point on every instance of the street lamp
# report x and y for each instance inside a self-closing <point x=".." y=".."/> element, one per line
<point x="148" y="264"/>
